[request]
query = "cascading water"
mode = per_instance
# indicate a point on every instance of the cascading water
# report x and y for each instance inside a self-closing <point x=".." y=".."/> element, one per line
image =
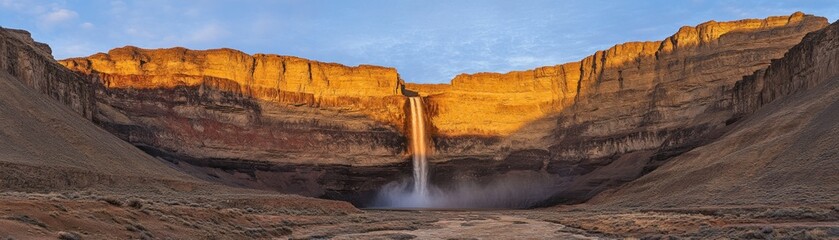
<point x="505" y="191"/>
<point x="403" y="194"/>
<point x="418" y="144"/>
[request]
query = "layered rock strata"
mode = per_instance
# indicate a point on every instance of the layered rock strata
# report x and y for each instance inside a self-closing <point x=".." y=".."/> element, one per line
<point x="227" y="104"/>
<point x="616" y="114"/>
<point x="259" y="121"/>
<point x="265" y="120"/>
<point x="809" y="63"/>
<point x="32" y="63"/>
<point x="782" y="151"/>
<point x="47" y="142"/>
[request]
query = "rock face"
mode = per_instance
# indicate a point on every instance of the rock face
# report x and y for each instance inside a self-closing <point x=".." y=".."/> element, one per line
<point x="806" y="65"/>
<point x="32" y="63"/>
<point x="713" y="53"/>
<point x="227" y="104"/>
<point x="783" y="151"/>
<point x="261" y="76"/>
<point x="269" y="78"/>
<point x="50" y="144"/>
<point x="321" y="129"/>
<point x="617" y="114"/>
<point x="269" y="121"/>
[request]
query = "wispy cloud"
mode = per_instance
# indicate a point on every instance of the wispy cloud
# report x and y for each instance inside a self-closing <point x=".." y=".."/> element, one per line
<point x="87" y="26"/>
<point x="57" y="16"/>
<point x="12" y="4"/>
<point x="208" y="33"/>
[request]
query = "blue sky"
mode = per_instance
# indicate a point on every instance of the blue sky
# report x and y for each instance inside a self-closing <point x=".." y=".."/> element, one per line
<point x="428" y="41"/>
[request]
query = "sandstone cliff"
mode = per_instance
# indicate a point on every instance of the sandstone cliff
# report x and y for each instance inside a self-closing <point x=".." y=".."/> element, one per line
<point x="48" y="142"/>
<point x="713" y="53"/>
<point x="261" y="75"/>
<point x="223" y="103"/>
<point x="802" y="67"/>
<point x="49" y="145"/>
<point x="322" y="129"/>
<point x="616" y="114"/>
<point x="783" y="151"/>
<point x="32" y="63"/>
<point x="262" y="121"/>
<point x="271" y="78"/>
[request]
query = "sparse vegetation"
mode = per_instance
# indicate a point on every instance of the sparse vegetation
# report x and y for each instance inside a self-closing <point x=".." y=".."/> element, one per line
<point x="135" y="203"/>
<point x="28" y="220"/>
<point x="69" y="236"/>
<point x="111" y="200"/>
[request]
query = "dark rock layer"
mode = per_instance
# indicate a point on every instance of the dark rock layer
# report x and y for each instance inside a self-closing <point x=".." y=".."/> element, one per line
<point x="328" y="130"/>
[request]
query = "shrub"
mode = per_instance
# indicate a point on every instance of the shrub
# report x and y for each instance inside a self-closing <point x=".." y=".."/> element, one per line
<point x="28" y="220"/>
<point x="135" y="203"/>
<point x="112" y="201"/>
<point x="69" y="236"/>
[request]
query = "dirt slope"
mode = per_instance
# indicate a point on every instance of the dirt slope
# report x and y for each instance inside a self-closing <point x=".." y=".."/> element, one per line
<point x="784" y="154"/>
<point x="45" y="145"/>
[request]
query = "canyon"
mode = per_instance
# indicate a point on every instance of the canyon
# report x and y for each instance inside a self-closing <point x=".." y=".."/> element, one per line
<point x="724" y="129"/>
<point x="328" y="130"/>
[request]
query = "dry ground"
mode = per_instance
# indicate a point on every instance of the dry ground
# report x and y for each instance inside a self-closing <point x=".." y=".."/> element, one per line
<point x="94" y="215"/>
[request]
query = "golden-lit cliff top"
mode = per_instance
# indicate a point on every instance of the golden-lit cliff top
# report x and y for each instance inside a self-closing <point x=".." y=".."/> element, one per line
<point x="258" y="71"/>
<point x="687" y="37"/>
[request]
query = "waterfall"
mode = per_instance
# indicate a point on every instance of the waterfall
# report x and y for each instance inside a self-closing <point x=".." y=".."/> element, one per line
<point x="419" y="148"/>
<point x="516" y="190"/>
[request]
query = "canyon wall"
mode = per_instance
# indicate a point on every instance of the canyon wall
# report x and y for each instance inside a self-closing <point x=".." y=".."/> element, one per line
<point x="806" y="65"/>
<point x="616" y="114"/>
<point x="47" y="142"/>
<point x="259" y="121"/>
<point x="32" y="63"/>
<point x="621" y="83"/>
<point x="322" y="129"/>
<point x="783" y="150"/>
<point x="223" y="103"/>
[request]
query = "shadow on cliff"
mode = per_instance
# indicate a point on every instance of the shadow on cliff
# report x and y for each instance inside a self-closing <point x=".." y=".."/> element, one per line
<point x="217" y="132"/>
<point x="562" y="166"/>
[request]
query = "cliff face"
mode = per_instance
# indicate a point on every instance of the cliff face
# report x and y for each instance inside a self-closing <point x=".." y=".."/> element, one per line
<point x="262" y="121"/>
<point x="50" y="144"/>
<point x="809" y="63"/>
<point x="616" y="114"/>
<point x="32" y="63"/>
<point x="261" y="75"/>
<point x="715" y="54"/>
<point x="782" y="151"/>
<point x="324" y="129"/>
<point x="269" y="78"/>
<point x="227" y="104"/>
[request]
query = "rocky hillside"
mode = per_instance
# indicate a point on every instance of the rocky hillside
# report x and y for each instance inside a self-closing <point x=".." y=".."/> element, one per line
<point x="784" y="151"/>
<point x="45" y="145"/>
<point x="49" y="145"/>
<point x="320" y="129"/>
